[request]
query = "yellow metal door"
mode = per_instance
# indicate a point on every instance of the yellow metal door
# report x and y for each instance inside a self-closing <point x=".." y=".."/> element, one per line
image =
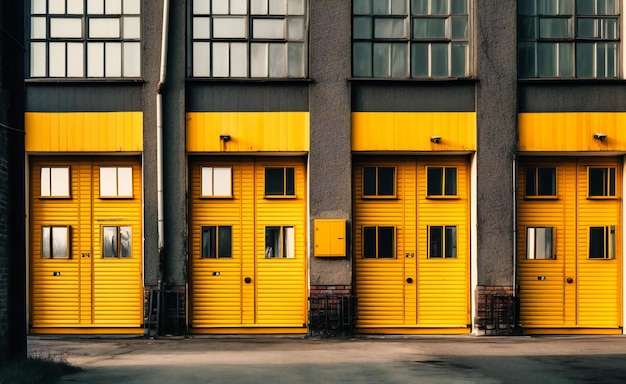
<point x="73" y="289"/>
<point x="251" y="287"/>
<point x="566" y="289"/>
<point x="411" y="291"/>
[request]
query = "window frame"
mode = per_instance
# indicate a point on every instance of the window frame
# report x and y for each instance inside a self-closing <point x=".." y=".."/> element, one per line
<point x="377" y="242"/>
<point x="213" y="183"/>
<point x="610" y="183"/>
<point x="537" y="179"/>
<point x="48" y="193"/>
<point x="119" y="247"/>
<point x="609" y="243"/>
<point x="118" y="181"/>
<point x="377" y="177"/>
<point x="444" y="175"/>
<point x="531" y="236"/>
<point x="444" y="241"/>
<point x="48" y="246"/>
<point x="286" y="240"/>
<point x="286" y="175"/>
<point x="213" y="248"/>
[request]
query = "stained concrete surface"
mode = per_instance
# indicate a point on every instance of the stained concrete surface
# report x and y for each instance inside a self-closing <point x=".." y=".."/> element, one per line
<point x="277" y="360"/>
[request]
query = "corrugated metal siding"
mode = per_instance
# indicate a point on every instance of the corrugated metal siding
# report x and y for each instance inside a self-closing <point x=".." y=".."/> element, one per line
<point x="438" y="297"/>
<point x="411" y="131"/>
<point x="276" y="296"/>
<point x="84" y="132"/>
<point x="248" y="131"/>
<point x="593" y="299"/>
<point x="90" y="291"/>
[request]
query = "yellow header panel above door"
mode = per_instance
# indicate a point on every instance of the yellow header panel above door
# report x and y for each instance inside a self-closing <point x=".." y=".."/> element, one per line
<point x="248" y="132"/>
<point x="414" y="131"/>
<point x="84" y="131"/>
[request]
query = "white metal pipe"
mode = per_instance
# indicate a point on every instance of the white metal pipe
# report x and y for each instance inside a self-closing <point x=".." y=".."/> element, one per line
<point x="159" y="112"/>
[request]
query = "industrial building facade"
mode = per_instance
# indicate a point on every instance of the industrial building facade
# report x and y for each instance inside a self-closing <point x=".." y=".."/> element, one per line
<point x="250" y="156"/>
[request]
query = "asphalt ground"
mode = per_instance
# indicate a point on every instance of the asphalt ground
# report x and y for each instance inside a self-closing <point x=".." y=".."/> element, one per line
<point x="389" y="359"/>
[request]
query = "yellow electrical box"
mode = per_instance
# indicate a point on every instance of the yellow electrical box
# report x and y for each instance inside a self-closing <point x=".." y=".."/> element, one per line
<point x="330" y="238"/>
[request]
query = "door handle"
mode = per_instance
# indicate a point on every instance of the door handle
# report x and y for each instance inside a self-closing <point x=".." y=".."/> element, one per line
<point x="409" y="280"/>
<point x="247" y="280"/>
<point x="569" y="280"/>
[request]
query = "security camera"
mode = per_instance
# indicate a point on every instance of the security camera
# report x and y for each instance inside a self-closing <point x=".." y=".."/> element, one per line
<point x="599" y="136"/>
<point x="435" y="139"/>
<point x="224" y="137"/>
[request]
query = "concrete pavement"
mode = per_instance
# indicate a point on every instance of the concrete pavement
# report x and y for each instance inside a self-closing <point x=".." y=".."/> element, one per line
<point x="278" y="360"/>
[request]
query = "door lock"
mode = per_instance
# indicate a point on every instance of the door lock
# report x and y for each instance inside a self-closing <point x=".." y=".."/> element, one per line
<point x="409" y="280"/>
<point x="247" y="280"/>
<point x="569" y="280"/>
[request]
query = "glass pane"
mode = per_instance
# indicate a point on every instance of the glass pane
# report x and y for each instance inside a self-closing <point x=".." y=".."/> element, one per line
<point x="565" y="7"/>
<point x="56" y="7"/>
<point x="361" y="28"/>
<point x="66" y="28"/>
<point x="527" y="28"/>
<point x="436" y="242"/>
<point x="274" y="181"/>
<point x="547" y="181"/>
<point x="419" y="60"/>
<point x="238" y="59"/>
<point x="419" y="7"/>
<point x="361" y="7"/>
<point x="208" y="243"/>
<point x="439" y="7"/>
<point x="295" y="28"/>
<point x="113" y="57"/>
<point x="59" y="181"/>
<point x="272" y="242"/>
<point x="113" y="7"/>
<point x="553" y="28"/>
<point x="362" y="59"/>
<point x="369" y="242"/>
<point x="527" y="56"/>
<point x="369" y="181"/>
<point x="296" y="59"/>
<point x="37" y="59"/>
<point x="220" y="7"/>
<point x="531" y="181"/>
<point x="57" y="60"/>
<point x="585" y="60"/>
<point x="258" y="60"/>
<point x="229" y="27"/>
<point x="223" y="183"/>
<point x="238" y="7"/>
<point x="278" y="7"/>
<point x="439" y="54"/>
<point x="104" y="28"/>
<point x="268" y="28"/>
<point x="381" y="7"/>
<point x="126" y="242"/>
<point x="389" y="28"/>
<point x="290" y="181"/>
<point x="386" y="181"/>
<point x="385" y="242"/>
<point x="586" y="28"/>
<point x="46" y="242"/>
<point x="530" y="244"/>
<point x="95" y="7"/>
<point x="459" y="27"/>
<point x="547" y="56"/>
<point x="39" y="7"/>
<point x="545" y="247"/>
<point x="547" y="7"/>
<point x="288" y="243"/>
<point x="398" y="7"/>
<point x="566" y="60"/>
<point x="597" y="181"/>
<point x="225" y="242"/>
<point x="95" y="60"/>
<point x="108" y="181"/>
<point x="424" y="28"/>
<point x="295" y="7"/>
<point x="611" y="181"/>
<point x="75" y="60"/>
<point x="124" y="181"/>
<point x="381" y="58"/>
<point x="585" y="7"/>
<point x="207" y="181"/>
<point x="37" y="27"/>
<point x="459" y="7"/>
<point x="606" y="60"/>
<point x="611" y="242"/>
<point x="450" y="182"/>
<point x="607" y="7"/>
<point x="399" y="60"/>
<point x="220" y="59"/>
<point x="258" y="7"/>
<point x="435" y="181"/>
<point x="278" y="60"/>
<point x="133" y="7"/>
<point x="132" y="59"/>
<point x="201" y="7"/>
<point x="109" y="242"/>
<point x="60" y="246"/>
<point x="450" y="241"/>
<point x="45" y="182"/>
<point x="596" y="243"/>
<point x="201" y="56"/>
<point x="132" y="28"/>
<point x="459" y="52"/>
<point x="609" y="28"/>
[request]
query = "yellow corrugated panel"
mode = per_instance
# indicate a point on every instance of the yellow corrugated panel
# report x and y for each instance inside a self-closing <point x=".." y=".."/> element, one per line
<point x="276" y="294"/>
<point x="87" y="290"/>
<point x="438" y="296"/>
<point x="248" y="131"/>
<point x="412" y="131"/>
<point x="572" y="131"/>
<point x="84" y="131"/>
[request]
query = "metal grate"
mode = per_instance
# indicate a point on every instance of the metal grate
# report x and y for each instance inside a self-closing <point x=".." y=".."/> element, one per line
<point x="332" y="315"/>
<point x="500" y="315"/>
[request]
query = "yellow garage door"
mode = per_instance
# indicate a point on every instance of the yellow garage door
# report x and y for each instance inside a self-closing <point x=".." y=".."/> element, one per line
<point x="411" y="244"/>
<point x="569" y="252"/>
<point x="85" y="245"/>
<point x="248" y="245"/>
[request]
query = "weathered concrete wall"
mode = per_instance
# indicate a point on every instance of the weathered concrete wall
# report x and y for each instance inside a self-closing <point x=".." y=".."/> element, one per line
<point x="330" y="163"/>
<point x="496" y="110"/>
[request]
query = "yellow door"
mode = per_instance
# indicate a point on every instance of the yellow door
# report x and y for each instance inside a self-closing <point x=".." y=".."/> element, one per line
<point x="411" y="244"/>
<point x="248" y="241"/>
<point x="569" y="245"/>
<point x="85" y="262"/>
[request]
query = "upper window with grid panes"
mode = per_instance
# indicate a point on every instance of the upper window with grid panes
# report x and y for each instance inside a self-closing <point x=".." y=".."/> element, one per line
<point x="85" y="38"/>
<point x="568" y="39"/>
<point x="249" y="39"/>
<point x="410" y="39"/>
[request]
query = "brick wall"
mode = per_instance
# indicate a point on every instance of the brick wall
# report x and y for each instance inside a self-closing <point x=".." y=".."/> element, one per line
<point x="484" y="303"/>
<point x="330" y="290"/>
